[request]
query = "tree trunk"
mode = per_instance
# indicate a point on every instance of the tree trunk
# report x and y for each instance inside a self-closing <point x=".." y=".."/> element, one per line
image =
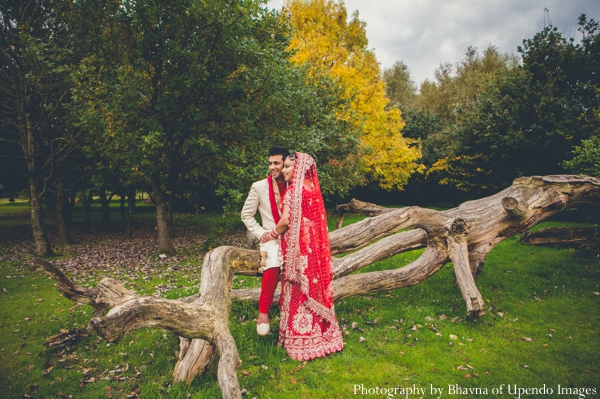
<point x="360" y="207"/>
<point x="462" y="235"/>
<point x="164" y="239"/>
<point x="106" y="222"/>
<point x="87" y="208"/>
<point x="42" y="244"/>
<point x="122" y="207"/>
<point x="61" y="213"/>
<point x="170" y="208"/>
<point x="130" y="206"/>
<point x="576" y="237"/>
<point x="70" y="208"/>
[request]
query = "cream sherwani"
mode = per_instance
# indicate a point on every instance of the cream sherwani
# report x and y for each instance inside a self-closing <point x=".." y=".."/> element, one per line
<point x="258" y="200"/>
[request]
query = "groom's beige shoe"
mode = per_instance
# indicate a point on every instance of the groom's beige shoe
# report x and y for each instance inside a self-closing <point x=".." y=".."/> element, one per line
<point x="262" y="329"/>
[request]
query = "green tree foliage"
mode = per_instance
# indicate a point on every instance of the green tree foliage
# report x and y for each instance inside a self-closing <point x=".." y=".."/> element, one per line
<point x="191" y="93"/>
<point x="399" y="86"/>
<point x="528" y="120"/>
<point x="587" y="158"/>
<point x="433" y="114"/>
<point x="35" y="60"/>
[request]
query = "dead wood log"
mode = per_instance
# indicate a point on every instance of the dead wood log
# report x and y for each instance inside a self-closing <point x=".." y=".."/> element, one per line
<point x="358" y="207"/>
<point x="462" y="235"/>
<point x="66" y="337"/>
<point x="576" y="237"/>
<point x="204" y="319"/>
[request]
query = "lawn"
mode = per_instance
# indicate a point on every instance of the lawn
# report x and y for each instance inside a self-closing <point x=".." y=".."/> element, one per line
<point x="541" y="331"/>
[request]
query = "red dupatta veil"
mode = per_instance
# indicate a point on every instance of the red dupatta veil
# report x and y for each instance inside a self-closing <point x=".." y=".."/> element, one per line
<point x="309" y="328"/>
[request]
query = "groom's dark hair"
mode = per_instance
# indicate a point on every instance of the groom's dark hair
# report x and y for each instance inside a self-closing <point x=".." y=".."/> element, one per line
<point x="276" y="150"/>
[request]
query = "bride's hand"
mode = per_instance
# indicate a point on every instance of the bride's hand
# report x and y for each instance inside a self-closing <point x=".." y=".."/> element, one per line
<point x="265" y="237"/>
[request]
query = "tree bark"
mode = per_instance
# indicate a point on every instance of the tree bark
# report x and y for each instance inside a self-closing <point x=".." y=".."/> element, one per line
<point x="170" y="211"/>
<point x="462" y="235"/>
<point x="360" y="207"/>
<point x="64" y="237"/>
<point x="42" y="244"/>
<point x="71" y="206"/>
<point x="122" y="206"/>
<point x="106" y="222"/>
<point x="87" y="208"/>
<point x="165" y="244"/>
<point x="130" y="206"/>
<point x="563" y="236"/>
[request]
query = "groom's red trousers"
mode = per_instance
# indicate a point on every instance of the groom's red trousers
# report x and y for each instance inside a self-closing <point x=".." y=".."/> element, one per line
<point x="267" y="291"/>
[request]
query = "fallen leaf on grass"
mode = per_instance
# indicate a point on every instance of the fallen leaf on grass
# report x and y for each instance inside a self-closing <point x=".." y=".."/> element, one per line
<point x="526" y="339"/>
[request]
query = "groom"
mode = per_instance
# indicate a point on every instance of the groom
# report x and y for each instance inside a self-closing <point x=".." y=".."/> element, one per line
<point x="265" y="196"/>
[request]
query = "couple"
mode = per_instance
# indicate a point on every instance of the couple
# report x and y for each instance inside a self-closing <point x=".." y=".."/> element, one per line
<point x="294" y="239"/>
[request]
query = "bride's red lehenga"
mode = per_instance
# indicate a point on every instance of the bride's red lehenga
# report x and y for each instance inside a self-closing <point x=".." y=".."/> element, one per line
<point x="308" y="328"/>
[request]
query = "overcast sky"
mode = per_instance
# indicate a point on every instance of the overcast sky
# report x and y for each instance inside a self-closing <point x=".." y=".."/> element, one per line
<point x="425" y="33"/>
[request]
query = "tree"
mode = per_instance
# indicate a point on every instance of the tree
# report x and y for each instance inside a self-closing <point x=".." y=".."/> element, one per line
<point x="177" y="85"/>
<point x="331" y="46"/>
<point x="529" y="119"/>
<point x="433" y="114"/>
<point x="35" y="60"/>
<point x="399" y="86"/>
<point x="189" y="93"/>
<point x="587" y="157"/>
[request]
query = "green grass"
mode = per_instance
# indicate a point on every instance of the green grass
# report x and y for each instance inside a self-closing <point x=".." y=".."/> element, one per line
<point x="545" y="294"/>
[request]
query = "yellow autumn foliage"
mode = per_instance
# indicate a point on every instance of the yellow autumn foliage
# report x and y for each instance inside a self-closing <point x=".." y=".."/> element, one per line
<point x="330" y="44"/>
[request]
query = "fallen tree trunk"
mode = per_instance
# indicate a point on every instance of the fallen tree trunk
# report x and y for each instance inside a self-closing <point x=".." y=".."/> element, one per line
<point x="359" y="207"/>
<point x="462" y="235"/>
<point x="576" y="237"/>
